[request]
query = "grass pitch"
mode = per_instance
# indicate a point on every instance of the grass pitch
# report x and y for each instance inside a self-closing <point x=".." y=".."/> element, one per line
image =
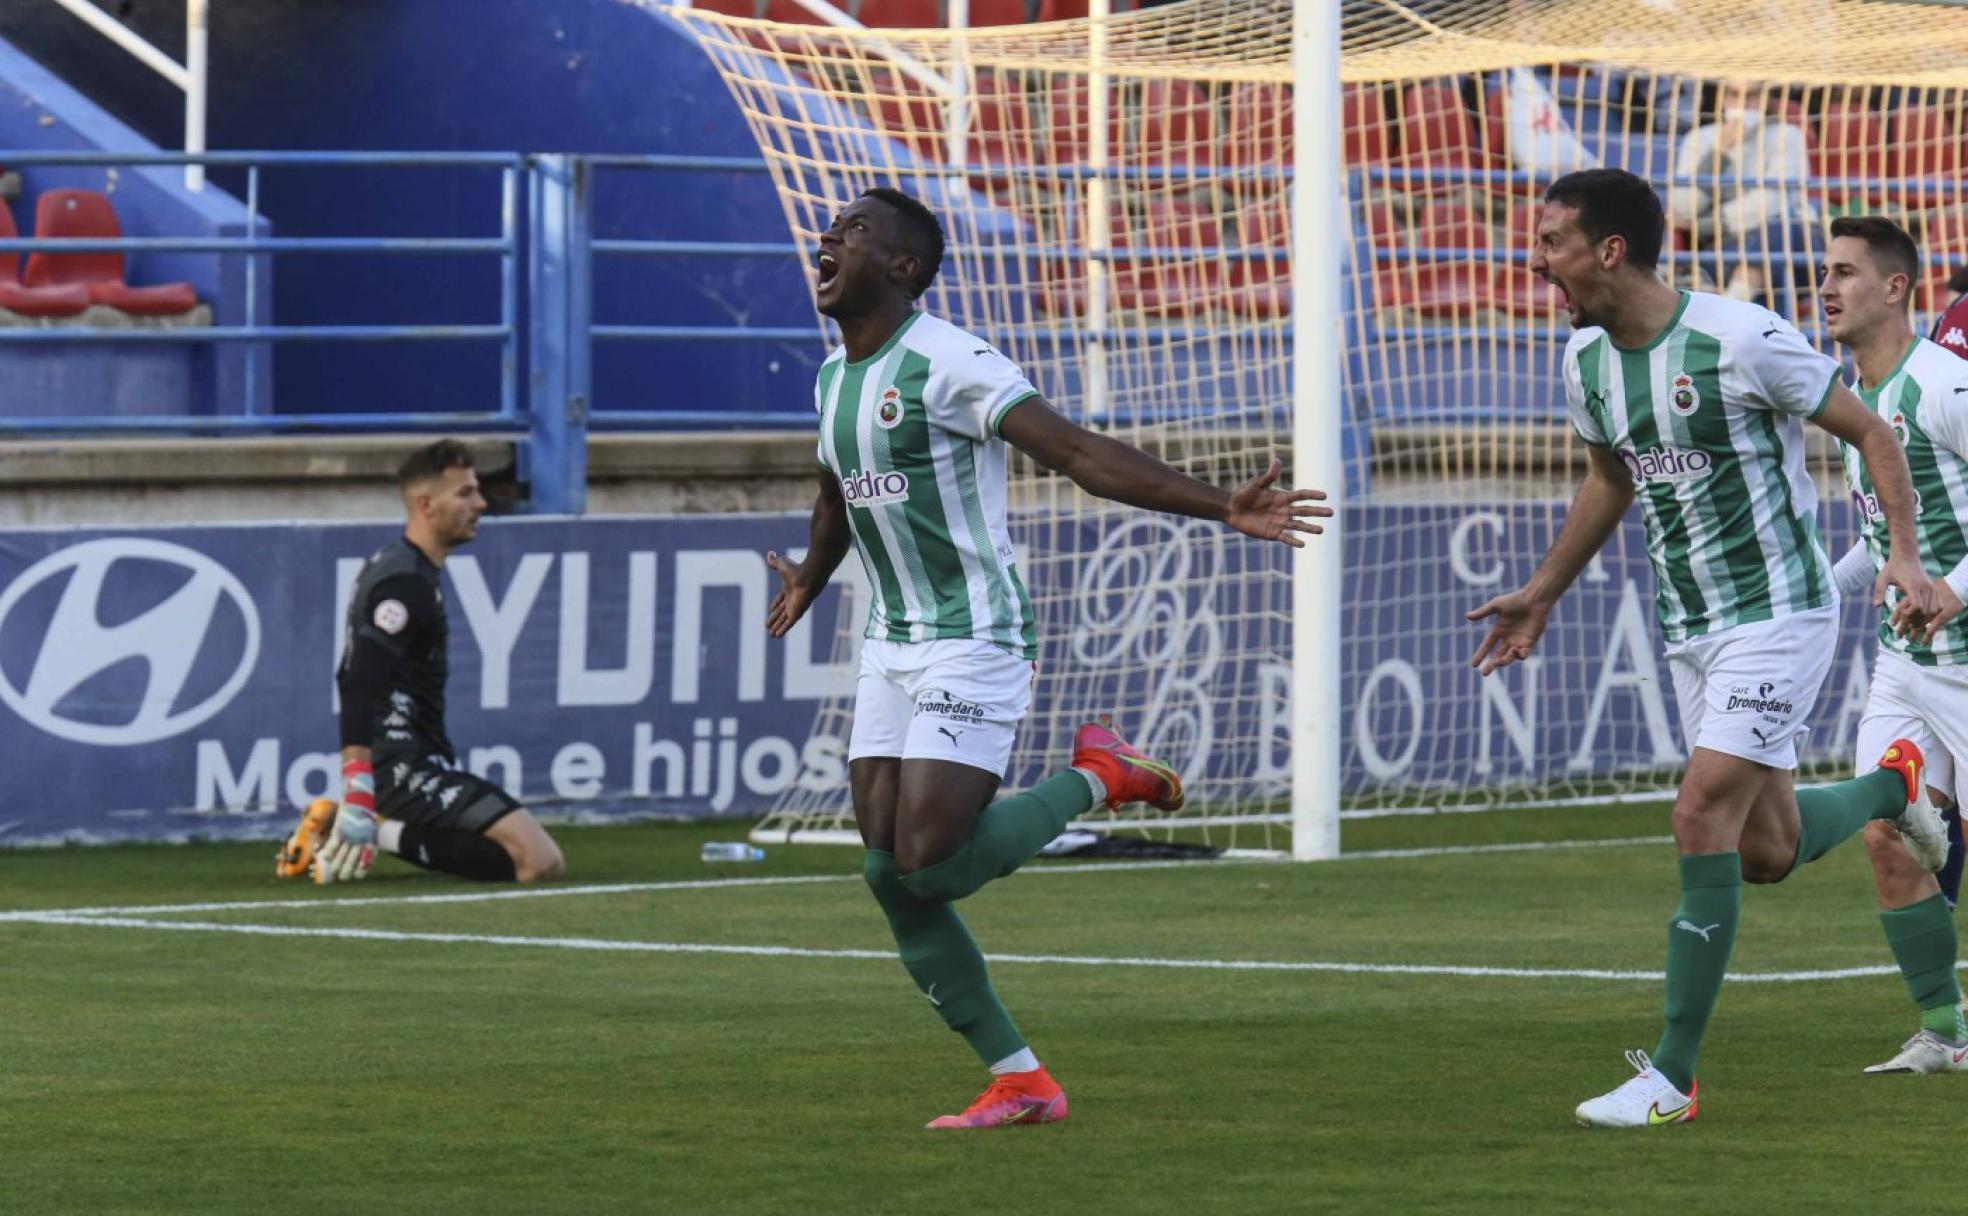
<point x="373" y="1050"/>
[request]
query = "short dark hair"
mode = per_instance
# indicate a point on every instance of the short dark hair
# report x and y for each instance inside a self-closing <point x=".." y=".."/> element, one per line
<point x="1958" y="281"/>
<point x="1891" y="245"/>
<point x="1613" y="202"/>
<point x="920" y="229"/>
<point x="431" y="460"/>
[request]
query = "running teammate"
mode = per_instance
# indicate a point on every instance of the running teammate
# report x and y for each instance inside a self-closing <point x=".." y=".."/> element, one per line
<point x="1695" y="404"/>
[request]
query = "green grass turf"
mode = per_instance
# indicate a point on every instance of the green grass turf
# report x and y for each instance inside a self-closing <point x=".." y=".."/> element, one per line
<point x="163" y="1072"/>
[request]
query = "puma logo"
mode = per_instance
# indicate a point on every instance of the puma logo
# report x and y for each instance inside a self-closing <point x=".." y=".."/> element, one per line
<point x="944" y="730"/>
<point x="1760" y="736"/>
<point x="1773" y="330"/>
<point x="930" y="996"/>
<point x="1692" y="927"/>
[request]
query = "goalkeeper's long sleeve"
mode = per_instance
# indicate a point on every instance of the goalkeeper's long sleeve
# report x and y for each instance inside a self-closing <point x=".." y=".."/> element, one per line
<point x="364" y="675"/>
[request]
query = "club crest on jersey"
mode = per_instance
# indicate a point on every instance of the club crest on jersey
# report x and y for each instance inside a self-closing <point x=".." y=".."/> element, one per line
<point x="888" y="414"/>
<point x="1686" y="399"/>
<point x="1900" y="431"/>
<point x="871" y="489"/>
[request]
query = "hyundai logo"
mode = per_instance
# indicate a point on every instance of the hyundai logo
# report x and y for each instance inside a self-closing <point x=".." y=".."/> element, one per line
<point x="168" y="636"/>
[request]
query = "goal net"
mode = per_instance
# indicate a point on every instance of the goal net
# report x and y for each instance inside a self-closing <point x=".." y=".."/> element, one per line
<point x="1117" y="199"/>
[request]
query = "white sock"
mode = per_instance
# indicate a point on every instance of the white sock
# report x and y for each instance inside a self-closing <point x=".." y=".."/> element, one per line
<point x="389" y="835"/>
<point x="1021" y="1060"/>
<point x="1098" y="786"/>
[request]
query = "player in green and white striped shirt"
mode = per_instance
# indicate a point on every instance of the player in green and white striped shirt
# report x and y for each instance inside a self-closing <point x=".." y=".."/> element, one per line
<point x="1919" y="687"/>
<point x="1694" y="404"/>
<point x="915" y="419"/>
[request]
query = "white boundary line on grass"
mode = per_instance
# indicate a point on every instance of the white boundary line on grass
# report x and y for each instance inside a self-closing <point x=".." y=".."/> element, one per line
<point x="607" y="945"/>
<point x="708" y="884"/>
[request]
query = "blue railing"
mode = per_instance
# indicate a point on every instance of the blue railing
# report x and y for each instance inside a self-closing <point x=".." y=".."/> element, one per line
<point x="545" y="251"/>
<point x="251" y="416"/>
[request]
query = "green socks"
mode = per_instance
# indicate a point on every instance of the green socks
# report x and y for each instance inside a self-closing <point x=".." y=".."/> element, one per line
<point x="1830" y="815"/>
<point x="1008" y="833"/>
<point x="1923" y="939"/>
<point x="943" y="959"/>
<point x="1699" y="939"/>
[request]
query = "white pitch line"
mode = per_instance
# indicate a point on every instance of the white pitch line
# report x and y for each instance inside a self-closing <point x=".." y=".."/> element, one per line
<point x="1056" y="960"/>
<point x="711" y="884"/>
<point x="479" y="897"/>
<point x="1528" y="846"/>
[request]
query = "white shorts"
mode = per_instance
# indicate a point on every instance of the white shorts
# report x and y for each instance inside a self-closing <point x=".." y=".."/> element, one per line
<point x="1746" y="691"/>
<point x="957" y="699"/>
<point x="1928" y="705"/>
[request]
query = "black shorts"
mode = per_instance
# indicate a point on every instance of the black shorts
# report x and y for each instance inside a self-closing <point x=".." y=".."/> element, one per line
<point x="427" y="792"/>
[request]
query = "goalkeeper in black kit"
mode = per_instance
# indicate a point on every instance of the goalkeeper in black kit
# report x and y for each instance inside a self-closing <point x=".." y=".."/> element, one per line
<point x="402" y="789"/>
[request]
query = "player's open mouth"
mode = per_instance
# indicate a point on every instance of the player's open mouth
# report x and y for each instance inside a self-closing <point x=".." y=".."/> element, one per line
<point x="828" y="268"/>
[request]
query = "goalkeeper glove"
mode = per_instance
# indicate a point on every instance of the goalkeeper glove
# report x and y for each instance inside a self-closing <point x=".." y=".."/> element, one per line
<point x="351" y="845"/>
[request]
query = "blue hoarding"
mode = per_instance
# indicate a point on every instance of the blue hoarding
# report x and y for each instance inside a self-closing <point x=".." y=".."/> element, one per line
<point x="178" y="682"/>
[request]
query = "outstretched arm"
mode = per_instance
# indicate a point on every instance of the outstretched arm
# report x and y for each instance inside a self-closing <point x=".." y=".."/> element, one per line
<point x="1520" y="615"/>
<point x="1110" y="469"/>
<point x="828" y="539"/>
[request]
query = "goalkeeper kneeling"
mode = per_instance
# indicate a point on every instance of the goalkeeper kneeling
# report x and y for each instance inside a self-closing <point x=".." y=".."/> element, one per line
<point x="402" y="789"/>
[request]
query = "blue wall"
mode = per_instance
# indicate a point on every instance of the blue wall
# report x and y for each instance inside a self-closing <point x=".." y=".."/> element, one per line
<point x="492" y="75"/>
<point x="40" y="112"/>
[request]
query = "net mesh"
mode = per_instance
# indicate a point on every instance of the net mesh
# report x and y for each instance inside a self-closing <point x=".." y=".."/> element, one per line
<point x="1116" y="198"/>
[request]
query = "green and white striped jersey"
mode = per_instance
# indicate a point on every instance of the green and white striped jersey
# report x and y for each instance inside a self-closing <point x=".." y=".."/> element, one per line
<point x="1925" y="399"/>
<point x="912" y="434"/>
<point x="1707" y="419"/>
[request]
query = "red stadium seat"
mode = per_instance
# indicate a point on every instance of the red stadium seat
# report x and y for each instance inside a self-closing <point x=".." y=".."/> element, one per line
<point x="1384" y="227"/>
<point x="1003" y="123"/>
<point x="901" y="14"/>
<point x="906" y="112"/>
<point x="1438" y="289"/>
<point x="1927" y="148"/>
<point x="1363" y="113"/>
<point x="58" y="301"/>
<point x="1169" y="223"/>
<point x="1851" y="143"/>
<point x="1070" y="118"/>
<point x="997" y="12"/>
<point x="1435" y="128"/>
<point x="1452" y="225"/>
<point x="1515" y="290"/>
<point x="1178" y="123"/>
<point x="1260" y="283"/>
<point x="1260" y="126"/>
<point x="791" y="13"/>
<point x="1260" y="290"/>
<point x="1496" y="123"/>
<point x="1168" y="289"/>
<point x="1164" y="289"/>
<point x="84" y="214"/>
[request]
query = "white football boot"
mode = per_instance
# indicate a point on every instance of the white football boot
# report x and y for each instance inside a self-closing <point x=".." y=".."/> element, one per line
<point x="1647" y="1100"/>
<point x="1926" y="1052"/>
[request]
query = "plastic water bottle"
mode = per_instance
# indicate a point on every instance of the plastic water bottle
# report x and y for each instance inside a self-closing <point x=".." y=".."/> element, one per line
<point x="731" y="850"/>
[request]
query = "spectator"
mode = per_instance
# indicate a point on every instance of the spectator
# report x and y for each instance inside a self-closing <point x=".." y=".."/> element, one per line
<point x="1740" y="180"/>
<point x="1951" y="327"/>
